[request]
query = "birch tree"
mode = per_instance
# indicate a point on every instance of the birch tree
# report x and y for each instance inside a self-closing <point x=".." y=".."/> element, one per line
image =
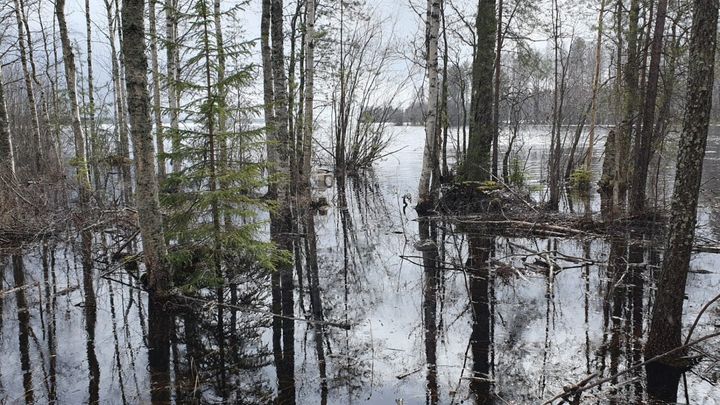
<point x="155" y="71"/>
<point x="7" y="159"/>
<point x="80" y="162"/>
<point x="430" y="158"/>
<point x="29" y="86"/>
<point x="91" y="127"/>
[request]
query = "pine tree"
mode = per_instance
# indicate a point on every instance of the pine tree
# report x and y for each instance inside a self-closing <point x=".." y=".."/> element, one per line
<point x="209" y="188"/>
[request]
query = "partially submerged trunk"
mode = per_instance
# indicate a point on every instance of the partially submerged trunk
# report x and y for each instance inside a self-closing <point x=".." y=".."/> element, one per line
<point x="666" y="327"/>
<point x="148" y="202"/>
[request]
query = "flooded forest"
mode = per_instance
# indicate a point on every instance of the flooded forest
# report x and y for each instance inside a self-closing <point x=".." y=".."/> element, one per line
<point x="359" y="202"/>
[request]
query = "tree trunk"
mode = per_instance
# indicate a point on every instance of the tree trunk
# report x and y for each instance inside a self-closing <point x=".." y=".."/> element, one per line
<point x="595" y="87"/>
<point x="496" y="91"/>
<point x="171" y="46"/>
<point x="7" y="160"/>
<point x="643" y="142"/>
<point x="477" y="164"/>
<point x="157" y="111"/>
<point x="666" y="325"/>
<point x="425" y="196"/>
<point x="221" y="133"/>
<point x="281" y="221"/>
<point x="123" y="141"/>
<point x="309" y="89"/>
<point x="35" y="121"/>
<point x="630" y="109"/>
<point x="92" y="128"/>
<point x="268" y="96"/>
<point x="555" y="149"/>
<point x="148" y="202"/>
<point x="71" y="79"/>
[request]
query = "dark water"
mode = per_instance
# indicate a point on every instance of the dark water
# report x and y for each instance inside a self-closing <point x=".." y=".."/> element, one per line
<point x="436" y="325"/>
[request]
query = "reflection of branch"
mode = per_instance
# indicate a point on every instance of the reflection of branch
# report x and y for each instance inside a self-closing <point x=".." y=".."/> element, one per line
<point x="577" y="390"/>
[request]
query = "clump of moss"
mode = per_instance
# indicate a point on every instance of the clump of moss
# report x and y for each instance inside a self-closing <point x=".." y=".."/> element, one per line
<point x="489" y="185"/>
<point x="580" y="179"/>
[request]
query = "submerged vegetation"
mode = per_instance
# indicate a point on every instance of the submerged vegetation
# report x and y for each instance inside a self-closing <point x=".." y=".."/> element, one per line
<point x="514" y="206"/>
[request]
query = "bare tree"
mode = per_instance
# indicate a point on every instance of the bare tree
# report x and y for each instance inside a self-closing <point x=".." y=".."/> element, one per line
<point x="71" y="81"/>
<point x="119" y="101"/>
<point x="644" y="140"/>
<point x="7" y="160"/>
<point x="91" y="126"/>
<point x="595" y="86"/>
<point x="29" y="87"/>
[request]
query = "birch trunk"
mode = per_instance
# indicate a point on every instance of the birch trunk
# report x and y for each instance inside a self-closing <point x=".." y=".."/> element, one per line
<point x="309" y="85"/>
<point x="425" y="196"/>
<point x="29" y="88"/>
<point x="148" y="202"/>
<point x="119" y="111"/>
<point x="172" y="78"/>
<point x="268" y="96"/>
<point x="7" y="160"/>
<point x="94" y="141"/>
<point x="157" y="111"/>
<point x="83" y="178"/>
<point x="666" y="326"/>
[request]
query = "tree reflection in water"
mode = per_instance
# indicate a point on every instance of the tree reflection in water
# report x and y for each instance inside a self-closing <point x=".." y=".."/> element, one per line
<point x="477" y="317"/>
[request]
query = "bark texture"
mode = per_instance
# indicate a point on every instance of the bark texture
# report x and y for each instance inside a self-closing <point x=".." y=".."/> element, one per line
<point x="666" y="326"/>
<point x="157" y="112"/>
<point x="644" y="141"/>
<point x="148" y="203"/>
<point x="29" y="88"/>
<point x="595" y="87"/>
<point x="430" y="151"/>
<point x="81" y="165"/>
<point x="7" y="160"/>
<point x="477" y="165"/>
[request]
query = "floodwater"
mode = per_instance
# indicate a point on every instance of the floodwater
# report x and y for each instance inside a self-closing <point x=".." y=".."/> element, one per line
<point x="474" y="317"/>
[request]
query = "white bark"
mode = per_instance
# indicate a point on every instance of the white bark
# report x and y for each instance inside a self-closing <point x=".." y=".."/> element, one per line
<point x="424" y="192"/>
